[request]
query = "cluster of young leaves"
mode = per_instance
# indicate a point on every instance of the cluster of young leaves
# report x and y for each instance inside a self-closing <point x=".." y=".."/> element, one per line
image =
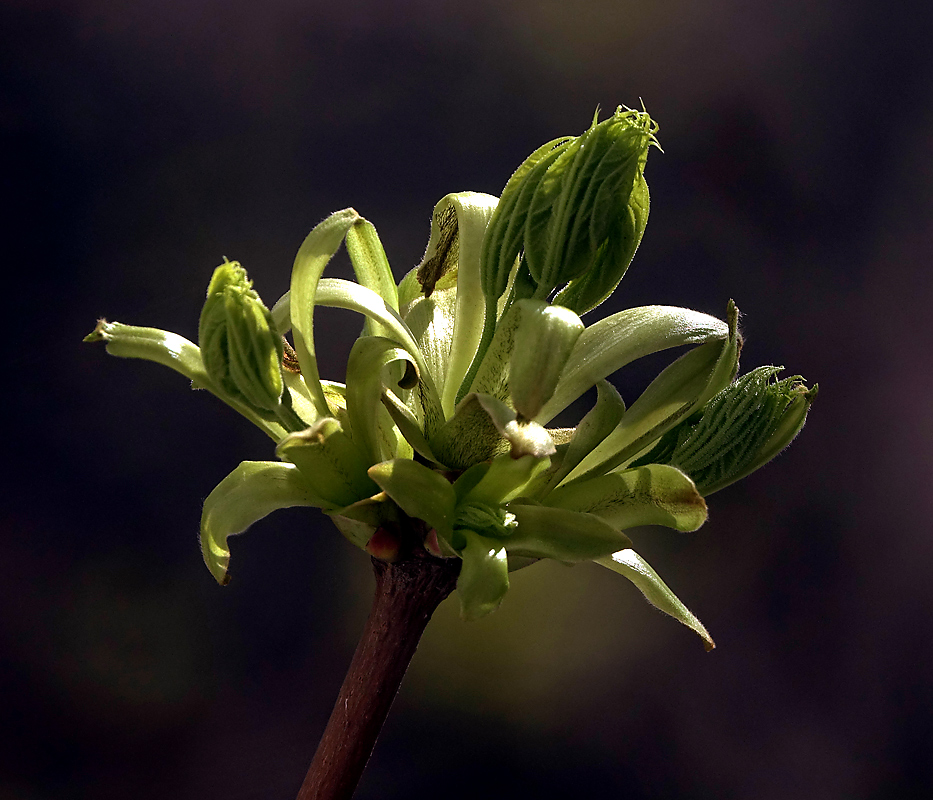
<point x="461" y="366"/>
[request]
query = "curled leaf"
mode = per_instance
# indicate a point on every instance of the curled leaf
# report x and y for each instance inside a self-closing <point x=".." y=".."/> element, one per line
<point x="253" y="490"/>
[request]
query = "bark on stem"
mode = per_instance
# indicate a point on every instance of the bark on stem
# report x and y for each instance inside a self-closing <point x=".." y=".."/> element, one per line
<point x="407" y="593"/>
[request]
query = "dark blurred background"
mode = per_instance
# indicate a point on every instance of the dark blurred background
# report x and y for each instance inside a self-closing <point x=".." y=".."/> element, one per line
<point x="144" y="141"/>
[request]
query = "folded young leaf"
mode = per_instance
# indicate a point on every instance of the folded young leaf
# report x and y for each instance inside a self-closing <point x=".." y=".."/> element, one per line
<point x="240" y="349"/>
<point x="505" y="237"/>
<point x="612" y="260"/>
<point x="632" y="566"/>
<point x="739" y="430"/>
<point x="253" y="490"/>
<point x="650" y="495"/>
<point x="611" y="343"/>
<point x="484" y="576"/>
<point x="332" y="465"/>
<point x="578" y="203"/>
<point x="419" y="491"/>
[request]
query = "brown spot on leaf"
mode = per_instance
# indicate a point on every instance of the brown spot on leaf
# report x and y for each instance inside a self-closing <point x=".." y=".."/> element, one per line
<point x="446" y="254"/>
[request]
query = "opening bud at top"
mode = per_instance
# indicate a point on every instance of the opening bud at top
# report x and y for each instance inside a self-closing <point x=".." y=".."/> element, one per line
<point x="574" y="211"/>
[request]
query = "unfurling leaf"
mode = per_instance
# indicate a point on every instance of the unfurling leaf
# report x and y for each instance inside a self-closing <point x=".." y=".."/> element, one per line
<point x="739" y="430"/>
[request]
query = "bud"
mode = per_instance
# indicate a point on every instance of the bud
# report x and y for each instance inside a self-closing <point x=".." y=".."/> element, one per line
<point x="576" y="210"/>
<point x="242" y="353"/>
<point x="742" y="428"/>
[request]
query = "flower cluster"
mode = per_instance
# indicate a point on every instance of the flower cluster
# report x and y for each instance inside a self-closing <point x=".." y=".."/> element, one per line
<point x="441" y="425"/>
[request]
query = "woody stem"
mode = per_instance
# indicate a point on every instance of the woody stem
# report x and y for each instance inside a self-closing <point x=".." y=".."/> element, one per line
<point x="407" y="593"/>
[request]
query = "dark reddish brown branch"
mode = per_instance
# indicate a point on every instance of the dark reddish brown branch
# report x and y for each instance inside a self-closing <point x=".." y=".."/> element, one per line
<point x="407" y="593"/>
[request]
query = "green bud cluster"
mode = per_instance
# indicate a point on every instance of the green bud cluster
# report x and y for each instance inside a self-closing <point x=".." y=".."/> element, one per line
<point x="461" y="365"/>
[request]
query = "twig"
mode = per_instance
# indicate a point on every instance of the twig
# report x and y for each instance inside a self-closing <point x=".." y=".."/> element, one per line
<point x="407" y="593"/>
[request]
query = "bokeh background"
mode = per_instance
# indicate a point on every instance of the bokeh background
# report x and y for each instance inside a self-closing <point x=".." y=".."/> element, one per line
<point x="144" y="141"/>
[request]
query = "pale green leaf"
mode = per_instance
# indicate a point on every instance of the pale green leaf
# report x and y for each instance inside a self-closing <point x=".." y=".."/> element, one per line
<point x="177" y="353"/>
<point x="152" y="344"/>
<point x="598" y="423"/>
<point x="431" y="322"/>
<point x="408" y="425"/>
<point x="674" y="395"/>
<point x="561" y="534"/>
<point x="544" y="340"/>
<point x="338" y="293"/>
<point x="369" y="261"/>
<point x="372" y="268"/>
<point x="507" y="479"/>
<point x="419" y="491"/>
<point x="313" y="256"/>
<point x="458" y="225"/>
<point x="330" y="462"/>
